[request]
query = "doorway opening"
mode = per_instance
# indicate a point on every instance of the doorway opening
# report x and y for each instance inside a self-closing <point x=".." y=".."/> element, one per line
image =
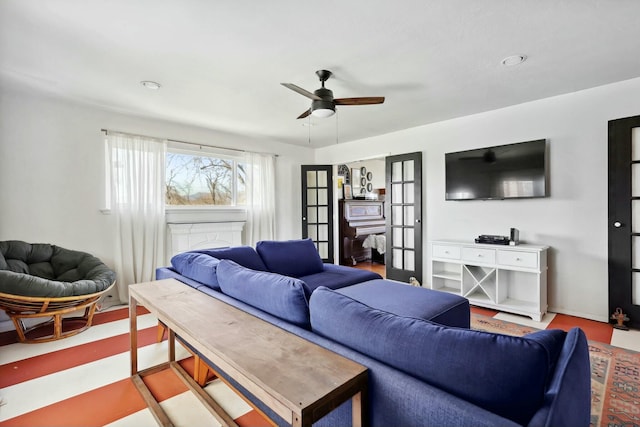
<point x="360" y="222"/>
<point x="379" y="215"/>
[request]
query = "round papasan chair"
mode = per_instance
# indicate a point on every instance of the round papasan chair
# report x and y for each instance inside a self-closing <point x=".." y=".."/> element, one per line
<point x="43" y="281"/>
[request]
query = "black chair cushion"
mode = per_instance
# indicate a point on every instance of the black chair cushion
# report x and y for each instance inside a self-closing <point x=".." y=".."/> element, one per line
<point x="43" y="270"/>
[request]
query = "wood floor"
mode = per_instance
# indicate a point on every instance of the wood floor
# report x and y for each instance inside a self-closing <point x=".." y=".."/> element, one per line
<point x="372" y="266"/>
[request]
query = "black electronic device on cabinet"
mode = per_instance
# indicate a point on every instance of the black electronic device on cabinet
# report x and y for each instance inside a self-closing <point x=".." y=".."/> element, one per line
<point x="492" y="239"/>
<point x="514" y="236"/>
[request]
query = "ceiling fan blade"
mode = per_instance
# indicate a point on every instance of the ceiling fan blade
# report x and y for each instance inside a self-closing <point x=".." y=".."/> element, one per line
<point x="305" y="114"/>
<point x="360" y="101"/>
<point x="301" y="91"/>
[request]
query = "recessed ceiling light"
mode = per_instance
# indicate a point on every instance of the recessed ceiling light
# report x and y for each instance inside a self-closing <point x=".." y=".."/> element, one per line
<point x="514" y="60"/>
<point x="150" y="85"/>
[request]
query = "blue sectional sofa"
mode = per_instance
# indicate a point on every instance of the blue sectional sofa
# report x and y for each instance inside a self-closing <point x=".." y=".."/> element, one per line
<point x="426" y="367"/>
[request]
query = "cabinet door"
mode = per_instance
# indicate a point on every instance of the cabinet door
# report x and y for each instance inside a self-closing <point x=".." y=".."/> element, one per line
<point x="446" y="251"/>
<point x="518" y="259"/>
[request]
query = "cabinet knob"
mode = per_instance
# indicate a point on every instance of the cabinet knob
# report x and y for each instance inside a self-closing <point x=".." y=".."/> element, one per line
<point x="518" y="259"/>
<point x="479" y="255"/>
<point x="446" y="252"/>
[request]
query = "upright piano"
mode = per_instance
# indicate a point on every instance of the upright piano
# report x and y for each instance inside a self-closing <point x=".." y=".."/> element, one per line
<point x="358" y="220"/>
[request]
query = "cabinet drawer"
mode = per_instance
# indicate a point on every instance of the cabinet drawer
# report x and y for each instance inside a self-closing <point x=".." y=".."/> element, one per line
<point x="445" y="251"/>
<point x="477" y="255"/>
<point x="518" y="259"/>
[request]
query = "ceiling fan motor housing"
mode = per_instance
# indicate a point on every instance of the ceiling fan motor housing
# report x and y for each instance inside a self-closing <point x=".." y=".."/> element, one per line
<point x="326" y="103"/>
<point x="322" y="102"/>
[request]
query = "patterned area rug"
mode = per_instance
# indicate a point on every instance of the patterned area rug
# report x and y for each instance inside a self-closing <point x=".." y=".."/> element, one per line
<point x="615" y="376"/>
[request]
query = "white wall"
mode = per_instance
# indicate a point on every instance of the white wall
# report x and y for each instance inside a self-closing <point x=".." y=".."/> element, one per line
<point x="52" y="170"/>
<point x="375" y="166"/>
<point x="572" y="221"/>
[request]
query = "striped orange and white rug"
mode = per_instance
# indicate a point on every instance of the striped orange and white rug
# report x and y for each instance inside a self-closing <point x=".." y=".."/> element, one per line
<point x="85" y="380"/>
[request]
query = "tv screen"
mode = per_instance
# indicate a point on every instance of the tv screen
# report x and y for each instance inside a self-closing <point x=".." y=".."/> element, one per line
<point x="500" y="172"/>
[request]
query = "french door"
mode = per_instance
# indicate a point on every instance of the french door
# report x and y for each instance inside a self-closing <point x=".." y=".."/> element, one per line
<point x="403" y="212"/>
<point x="317" y="208"/>
<point x="624" y="217"/>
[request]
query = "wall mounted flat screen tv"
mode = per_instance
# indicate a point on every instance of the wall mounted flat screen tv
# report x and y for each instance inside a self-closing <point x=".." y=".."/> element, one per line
<point x="501" y="172"/>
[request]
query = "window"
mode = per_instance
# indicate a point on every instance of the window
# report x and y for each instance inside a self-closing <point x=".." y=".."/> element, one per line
<point x="200" y="179"/>
<point x="196" y="179"/>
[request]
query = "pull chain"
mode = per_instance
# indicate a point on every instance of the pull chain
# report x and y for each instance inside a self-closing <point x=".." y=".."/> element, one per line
<point x="337" y="127"/>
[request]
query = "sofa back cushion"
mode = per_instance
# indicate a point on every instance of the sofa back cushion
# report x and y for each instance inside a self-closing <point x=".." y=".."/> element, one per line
<point x="243" y="255"/>
<point x="282" y="296"/>
<point x="199" y="267"/>
<point x="504" y="374"/>
<point x="295" y="258"/>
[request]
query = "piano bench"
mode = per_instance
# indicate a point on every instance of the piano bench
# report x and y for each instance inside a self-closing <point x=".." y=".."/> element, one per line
<point x="411" y="301"/>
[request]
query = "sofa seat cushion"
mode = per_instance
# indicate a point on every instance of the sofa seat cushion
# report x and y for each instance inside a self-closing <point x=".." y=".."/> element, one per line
<point x="338" y="276"/>
<point x="503" y="374"/>
<point x="411" y="301"/>
<point x="282" y="296"/>
<point x="197" y="266"/>
<point x="246" y="256"/>
<point x="295" y="258"/>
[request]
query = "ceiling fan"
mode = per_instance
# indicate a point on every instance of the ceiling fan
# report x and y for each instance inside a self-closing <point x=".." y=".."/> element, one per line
<point x="323" y="104"/>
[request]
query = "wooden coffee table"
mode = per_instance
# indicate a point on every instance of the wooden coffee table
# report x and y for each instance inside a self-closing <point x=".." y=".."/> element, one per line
<point x="299" y="380"/>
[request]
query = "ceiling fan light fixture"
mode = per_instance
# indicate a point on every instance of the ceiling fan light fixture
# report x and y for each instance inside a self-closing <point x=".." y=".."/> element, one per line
<point x="324" y="107"/>
<point x="323" y="112"/>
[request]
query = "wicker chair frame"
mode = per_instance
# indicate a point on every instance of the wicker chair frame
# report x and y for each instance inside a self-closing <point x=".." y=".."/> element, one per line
<point x="52" y="309"/>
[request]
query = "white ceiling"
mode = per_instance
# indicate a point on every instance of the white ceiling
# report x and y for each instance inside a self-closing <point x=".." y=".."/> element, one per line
<point x="221" y="62"/>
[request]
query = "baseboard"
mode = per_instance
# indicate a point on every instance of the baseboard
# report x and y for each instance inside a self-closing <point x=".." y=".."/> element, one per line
<point x="590" y="316"/>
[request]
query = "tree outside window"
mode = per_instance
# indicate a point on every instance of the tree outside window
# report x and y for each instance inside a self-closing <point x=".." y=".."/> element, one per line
<point x="195" y="180"/>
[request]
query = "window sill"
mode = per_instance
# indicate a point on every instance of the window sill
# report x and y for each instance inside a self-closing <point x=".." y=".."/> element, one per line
<point x="204" y="214"/>
<point x="193" y="215"/>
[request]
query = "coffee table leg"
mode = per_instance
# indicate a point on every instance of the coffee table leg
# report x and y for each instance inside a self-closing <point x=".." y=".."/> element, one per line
<point x="357" y="410"/>
<point x="133" y="334"/>
<point x="172" y="345"/>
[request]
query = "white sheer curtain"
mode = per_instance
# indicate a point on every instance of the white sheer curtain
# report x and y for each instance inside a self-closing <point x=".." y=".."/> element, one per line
<point x="137" y="170"/>
<point x="260" y="191"/>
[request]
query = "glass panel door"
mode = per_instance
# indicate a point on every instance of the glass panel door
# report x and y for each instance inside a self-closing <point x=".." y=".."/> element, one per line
<point x="317" y="208"/>
<point x="624" y="218"/>
<point x="403" y="209"/>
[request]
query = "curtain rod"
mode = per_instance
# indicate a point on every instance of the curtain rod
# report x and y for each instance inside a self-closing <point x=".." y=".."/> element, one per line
<point x="106" y="132"/>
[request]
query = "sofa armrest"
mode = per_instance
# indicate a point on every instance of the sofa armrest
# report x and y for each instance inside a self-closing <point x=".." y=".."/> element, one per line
<point x="567" y="401"/>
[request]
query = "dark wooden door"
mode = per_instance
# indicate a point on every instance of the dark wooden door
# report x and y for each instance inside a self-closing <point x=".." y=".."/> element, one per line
<point x="403" y="212"/>
<point x="624" y="217"/>
<point x="317" y="208"/>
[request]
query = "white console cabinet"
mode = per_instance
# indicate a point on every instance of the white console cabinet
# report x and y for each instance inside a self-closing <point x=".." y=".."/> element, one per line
<point x="504" y="278"/>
